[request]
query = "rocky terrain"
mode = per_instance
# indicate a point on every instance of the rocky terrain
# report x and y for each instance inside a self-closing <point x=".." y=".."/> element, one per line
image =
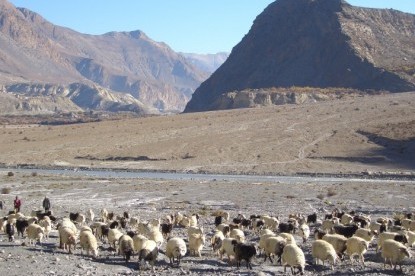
<point x="118" y="70"/>
<point x="334" y="45"/>
<point x="155" y="198"/>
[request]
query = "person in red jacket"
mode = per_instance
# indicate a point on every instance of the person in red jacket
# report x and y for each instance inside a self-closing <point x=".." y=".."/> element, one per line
<point x="17" y="204"/>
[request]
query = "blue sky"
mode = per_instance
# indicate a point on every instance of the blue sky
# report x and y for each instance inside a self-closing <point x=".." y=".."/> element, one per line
<point x="192" y="26"/>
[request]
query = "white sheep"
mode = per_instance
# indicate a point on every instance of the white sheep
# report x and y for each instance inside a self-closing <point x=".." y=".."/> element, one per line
<point x="293" y="257"/>
<point x="46" y="223"/>
<point x="113" y="236"/>
<point x="35" y="233"/>
<point x="270" y="222"/>
<point x="265" y="231"/>
<point x="238" y="235"/>
<point x="67" y="237"/>
<point x="221" y="213"/>
<point x="224" y="228"/>
<point x="323" y="250"/>
<point x="134" y="222"/>
<point x="411" y="238"/>
<point x="406" y="223"/>
<point x="139" y="242"/>
<point x="156" y="236"/>
<point x="196" y="243"/>
<point x="175" y="248"/>
<point x="377" y="227"/>
<point x="328" y="225"/>
<point x="289" y="237"/>
<point x="104" y="215"/>
<point x="394" y="253"/>
<point x="274" y="246"/>
<point x="337" y="241"/>
<point x="262" y="240"/>
<point x="88" y="242"/>
<point x="304" y="231"/>
<point x="194" y="230"/>
<point x="91" y="215"/>
<point x="385" y="236"/>
<point x="365" y="234"/>
<point x="81" y="219"/>
<point x="147" y="253"/>
<point x="227" y="248"/>
<point x="125" y="247"/>
<point x="356" y="246"/>
<point x="216" y="241"/>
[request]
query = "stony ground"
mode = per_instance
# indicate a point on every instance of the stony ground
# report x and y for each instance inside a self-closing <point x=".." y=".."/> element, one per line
<point x="154" y="198"/>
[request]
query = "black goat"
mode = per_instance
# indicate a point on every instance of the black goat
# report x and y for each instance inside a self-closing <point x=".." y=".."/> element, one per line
<point x="346" y="230"/>
<point x="312" y="218"/>
<point x="243" y="252"/>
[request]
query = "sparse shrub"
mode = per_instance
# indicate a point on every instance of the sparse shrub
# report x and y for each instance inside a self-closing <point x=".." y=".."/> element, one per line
<point x="320" y="196"/>
<point x="5" y="191"/>
<point x="331" y="192"/>
<point x="290" y="196"/>
<point x="34" y="174"/>
<point x="10" y="174"/>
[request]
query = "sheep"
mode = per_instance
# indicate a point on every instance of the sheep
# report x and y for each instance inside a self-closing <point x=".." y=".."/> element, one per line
<point x="10" y="229"/>
<point x="346" y="219"/>
<point x="304" y="231"/>
<point x="139" y="242"/>
<point x="323" y="250"/>
<point x="412" y="226"/>
<point x="104" y="215"/>
<point x="293" y="257"/>
<point x="35" y="232"/>
<point x="227" y="248"/>
<point x="394" y="253"/>
<point x="319" y="234"/>
<point x="47" y="225"/>
<point x="286" y="227"/>
<point x="377" y="227"/>
<point x="175" y="248"/>
<point x="218" y="220"/>
<point x="356" y="246"/>
<point x="290" y="238"/>
<point x="328" y="225"/>
<point x="194" y="230"/>
<point x="216" y="241"/>
<point x="411" y="238"/>
<point x="365" y="234"/>
<point x="21" y="225"/>
<point x="196" y="243"/>
<point x="406" y="223"/>
<point x="90" y="215"/>
<point x="274" y="246"/>
<point x="224" y="228"/>
<point x="270" y="222"/>
<point x="166" y="229"/>
<point x="113" y="236"/>
<point x="221" y="213"/>
<point x="345" y="230"/>
<point x="77" y="217"/>
<point x="362" y="220"/>
<point x="243" y="252"/>
<point x="238" y="235"/>
<point x="156" y="236"/>
<point x="88" y="242"/>
<point x="125" y="247"/>
<point x="66" y="222"/>
<point x="67" y="237"/>
<point x="134" y="222"/>
<point x="148" y="253"/>
<point x="338" y="242"/>
<point x="262" y="240"/>
<point x="390" y="235"/>
<point x="312" y="218"/>
<point x="257" y="224"/>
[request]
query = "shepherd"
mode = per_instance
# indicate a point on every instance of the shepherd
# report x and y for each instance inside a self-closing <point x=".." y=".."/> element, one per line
<point x="46" y="204"/>
<point x="17" y="204"/>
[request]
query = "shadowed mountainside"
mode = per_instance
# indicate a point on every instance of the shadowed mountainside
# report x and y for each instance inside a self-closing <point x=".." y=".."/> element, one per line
<point x="317" y="43"/>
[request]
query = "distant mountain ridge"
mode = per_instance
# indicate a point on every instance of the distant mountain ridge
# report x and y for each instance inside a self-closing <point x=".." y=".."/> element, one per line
<point x="316" y="43"/>
<point x="132" y="69"/>
<point x="208" y="63"/>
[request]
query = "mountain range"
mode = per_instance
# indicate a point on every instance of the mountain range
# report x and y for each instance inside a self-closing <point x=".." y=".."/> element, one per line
<point x="116" y="71"/>
<point x="321" y="44"/>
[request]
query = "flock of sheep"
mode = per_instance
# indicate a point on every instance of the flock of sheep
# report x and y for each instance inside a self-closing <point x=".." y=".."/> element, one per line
<point x="335" y="235"/>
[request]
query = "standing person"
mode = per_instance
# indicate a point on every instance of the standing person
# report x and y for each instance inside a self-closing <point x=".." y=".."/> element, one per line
<point x="46" y="204"/>
<point x="17" y="204"/>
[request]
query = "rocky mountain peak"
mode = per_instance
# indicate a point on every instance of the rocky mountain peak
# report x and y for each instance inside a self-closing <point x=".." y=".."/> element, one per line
<point x="317" y="43"/>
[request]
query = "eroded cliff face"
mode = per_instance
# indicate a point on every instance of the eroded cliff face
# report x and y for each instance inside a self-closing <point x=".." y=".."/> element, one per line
<point x="316" y="43"/>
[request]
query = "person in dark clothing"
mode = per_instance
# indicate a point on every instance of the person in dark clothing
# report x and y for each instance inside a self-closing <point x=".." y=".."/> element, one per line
<point x="17" y="204"/>
<point x="46" y="204"/>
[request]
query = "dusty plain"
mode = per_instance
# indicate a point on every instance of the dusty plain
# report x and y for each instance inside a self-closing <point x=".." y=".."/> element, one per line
<point x="364" y="136"/>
